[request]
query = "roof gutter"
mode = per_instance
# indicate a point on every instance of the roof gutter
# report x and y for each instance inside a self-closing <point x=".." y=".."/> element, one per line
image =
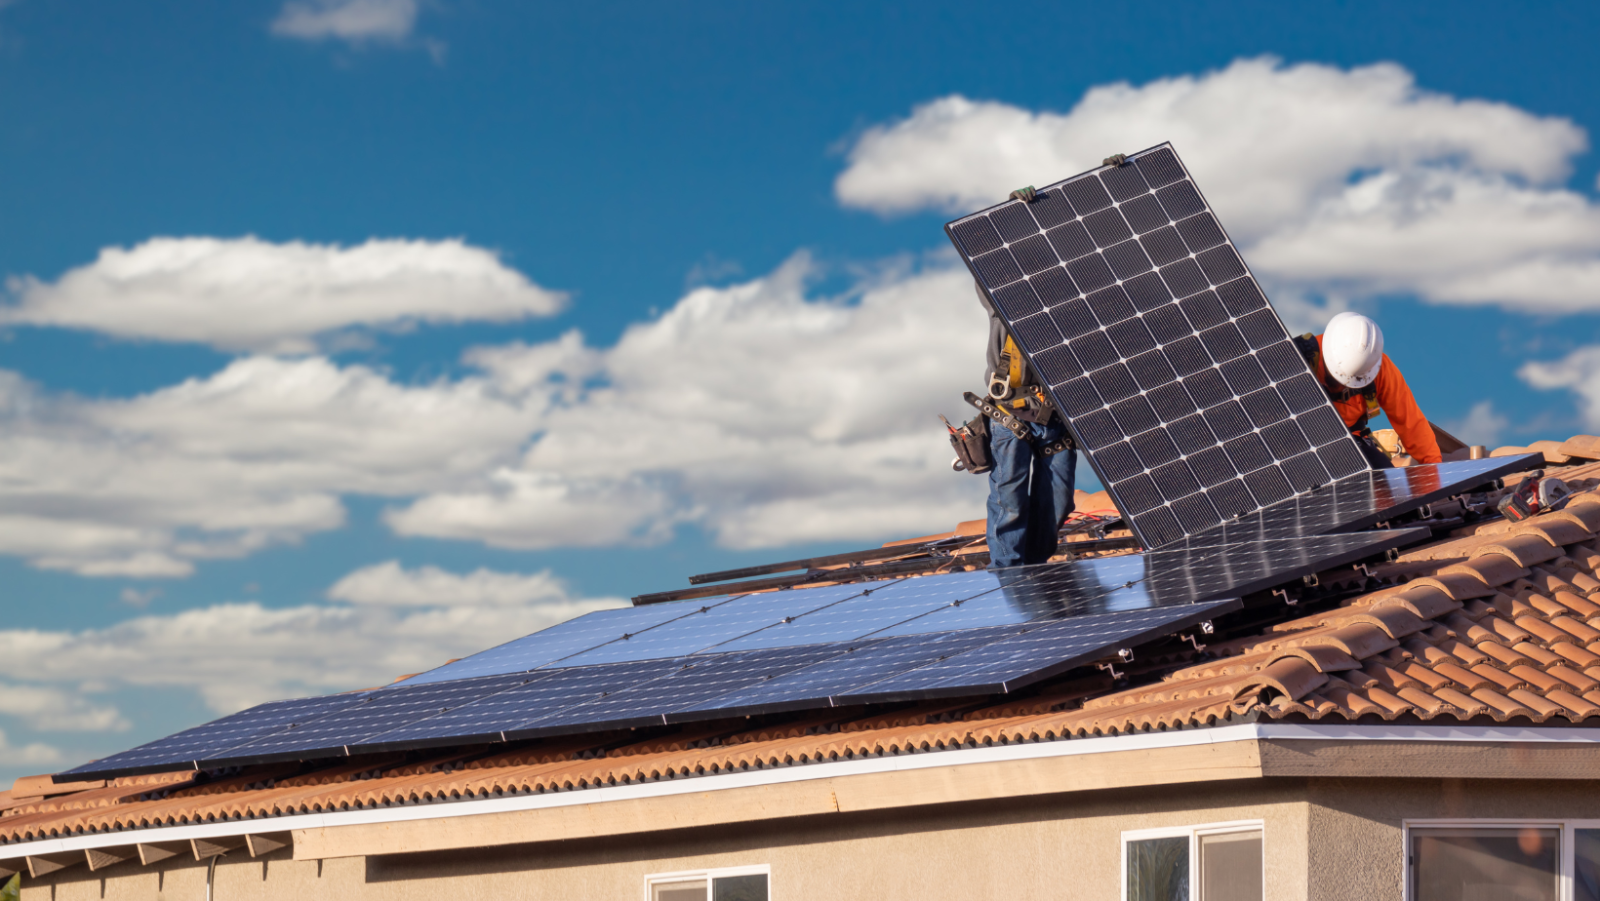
<point x="890" y="764"/>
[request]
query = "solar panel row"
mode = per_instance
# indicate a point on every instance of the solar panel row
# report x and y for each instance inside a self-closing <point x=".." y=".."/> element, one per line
<point x="1174" y="372"/>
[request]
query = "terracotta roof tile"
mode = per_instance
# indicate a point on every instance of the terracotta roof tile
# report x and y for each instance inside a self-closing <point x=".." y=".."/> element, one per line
<point x="1490" y="569"/>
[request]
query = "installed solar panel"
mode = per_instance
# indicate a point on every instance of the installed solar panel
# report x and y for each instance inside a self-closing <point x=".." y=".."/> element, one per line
<point x="1174" y="373"/>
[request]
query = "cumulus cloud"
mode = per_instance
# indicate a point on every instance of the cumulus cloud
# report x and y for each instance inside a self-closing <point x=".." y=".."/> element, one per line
<point x="1338" y="184"/>
<point x="1578" y="372"/>
<point x="761" y="413"/>
<point x="354" y="21"/>
<point x="390" y="583"/>
<point x="33" y="754"/>
<point x="246" y="294"/>
<point x="1483" y="425"/>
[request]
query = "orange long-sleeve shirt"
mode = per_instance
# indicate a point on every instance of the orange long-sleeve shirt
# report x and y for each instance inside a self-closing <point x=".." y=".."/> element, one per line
<point x="1397" y="402"/>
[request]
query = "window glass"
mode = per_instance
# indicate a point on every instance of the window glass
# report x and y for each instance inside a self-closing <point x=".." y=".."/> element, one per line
<point x="689" y="890"/>
<point x="739" y="888"/>
<point x="1586" y="873"/>
<point x="1230" y="867"/>
<point x="1158" y="869"/>
<point x="1500" y="864"/>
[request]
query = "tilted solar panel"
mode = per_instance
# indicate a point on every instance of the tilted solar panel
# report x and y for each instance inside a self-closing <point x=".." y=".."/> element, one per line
<point x="1175" y="374"/>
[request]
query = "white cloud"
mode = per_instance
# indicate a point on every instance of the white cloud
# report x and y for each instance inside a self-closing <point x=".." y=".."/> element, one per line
<point x="355" y="21"/>
<point x="1483" y="425"/>
<point x="238" y="654"/>
<point x="254" y="295"/>
<point x="1578" y="372"/>
<point x="767" y="416"/>
<point x="33" y="754"/>
<point x="1339" y="184"/>
<point x="391" y="584"/>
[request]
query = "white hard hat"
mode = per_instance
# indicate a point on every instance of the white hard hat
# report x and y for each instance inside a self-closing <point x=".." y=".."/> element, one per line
<point x="1352" y="349"/>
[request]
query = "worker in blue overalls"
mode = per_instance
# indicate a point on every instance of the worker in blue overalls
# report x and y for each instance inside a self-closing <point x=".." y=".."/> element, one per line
<point x="1030" y="487"/>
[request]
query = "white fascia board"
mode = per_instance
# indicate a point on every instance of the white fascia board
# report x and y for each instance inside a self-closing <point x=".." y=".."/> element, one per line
<point x="803" y="773"/>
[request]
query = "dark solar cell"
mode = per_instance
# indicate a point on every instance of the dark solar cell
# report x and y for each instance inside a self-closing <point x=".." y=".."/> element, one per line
<point x="977" y="236"/>
<point x="1134" y="415"/>
<point x="1151" y="370"/>
<point x="1036" y="332"/>
<point x="1204" y="310"/>
<point x="1127" y="260"/>
<point x="1175" y="480"/>
<point x="1034" y="254"/>
<point x="1056" y="364"/>
<point x="1073" y="318"/>
<point x="1171" y="402"/>
<point x="1181" y="201"/>
<point x="1262" y="328"/>
<point x="1221" y="264"/>
<point x="1201" y="232"/>
<point x="1224" y="342"/>
<point x="1231" y="498"/>
<point x="1305" y="472"/>
<point x="1017" y="300"/>
<point x="1087" y="195"/>
<point x="1054" y="286"/>
<point x="1164" y="245"/>
<point x="1322" y="426"/>
<point x="1265" y="407"/>
<point x="1268" y="485"/>
<point x="1091" y="272"/>
<point x="1160" y="527"/>
<point x="1071" y="240"/>
<point x="997" y="268"/>
<point x="1051" y="208"/>
<point x="1147" y="291"/>
<point x="1284" y="439"/>
<point x="1241" y="296"/>
<point x="1144" y="214"/>
<point x="1110" y="305"/>
<point x="1113" y="383"/>
<point x="1282" y="361"/>
<point x="1167" y="324"/>
<point x="1228" y="420"/>
<point x="1077" y="397"/>
<point x="1119" y="462"/>
<point x="1191" y="433"/>
<point x="1097" y="429"/>
<point x="1302" y="393"/>
<point x="1107" y="227"/>
<point x="1094" y="350"/>
<point x="1183" y="277"/>
<point x="1195" y="512"/>
<point x="1249" y="453"/>
<point x="1160" y="167"/>
<point x="1131" y="338"/>
<point x="1341" y="458"/>
<point x="1188" y="355"/>
<point x="1124" y="182"/>
<point x="1014" y="222"/>
<point x="1208" y="388"/>
<point x="1155" y="447"/>
<point x="1244" y="375"/>
<point x="1140" y="493"/>
<point x="1211" y="467"/>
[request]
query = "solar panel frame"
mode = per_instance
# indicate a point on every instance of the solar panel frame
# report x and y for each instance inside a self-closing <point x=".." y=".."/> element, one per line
<point x="1165" y="277"/>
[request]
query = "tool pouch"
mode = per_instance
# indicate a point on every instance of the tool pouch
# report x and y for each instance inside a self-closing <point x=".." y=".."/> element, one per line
<point x="971" y="443"/>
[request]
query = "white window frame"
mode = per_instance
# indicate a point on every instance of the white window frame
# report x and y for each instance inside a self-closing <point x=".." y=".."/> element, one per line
<point x="1566" y="854"/>
<point x="655" y="879"/>
<point x="1194" y="834"/>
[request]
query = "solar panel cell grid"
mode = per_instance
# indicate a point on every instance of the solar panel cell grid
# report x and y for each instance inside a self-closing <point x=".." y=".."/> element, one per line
<point x="1169" y="322"/>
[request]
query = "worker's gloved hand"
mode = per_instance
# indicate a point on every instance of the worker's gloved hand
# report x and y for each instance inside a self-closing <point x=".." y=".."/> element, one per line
<point x="1025" y="195"/>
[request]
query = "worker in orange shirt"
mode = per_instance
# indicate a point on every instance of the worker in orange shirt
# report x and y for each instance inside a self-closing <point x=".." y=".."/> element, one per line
<point x="1361" y="380"/>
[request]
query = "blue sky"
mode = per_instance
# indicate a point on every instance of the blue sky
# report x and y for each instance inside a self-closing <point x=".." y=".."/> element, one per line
<point x="764" y="341"/>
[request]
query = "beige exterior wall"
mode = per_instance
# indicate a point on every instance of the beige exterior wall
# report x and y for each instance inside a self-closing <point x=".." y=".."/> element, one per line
<point x="1059" y="846"/>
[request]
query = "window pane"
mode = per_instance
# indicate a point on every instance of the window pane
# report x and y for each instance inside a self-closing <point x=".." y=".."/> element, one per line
<point x="1230" y="867"/>
<point x="1502" y="864"/>
<point x="693" y="890"/>
<point x="739" y="888"/>
<point x="1586" y="875"/>
<point x="1158" y="869"/>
